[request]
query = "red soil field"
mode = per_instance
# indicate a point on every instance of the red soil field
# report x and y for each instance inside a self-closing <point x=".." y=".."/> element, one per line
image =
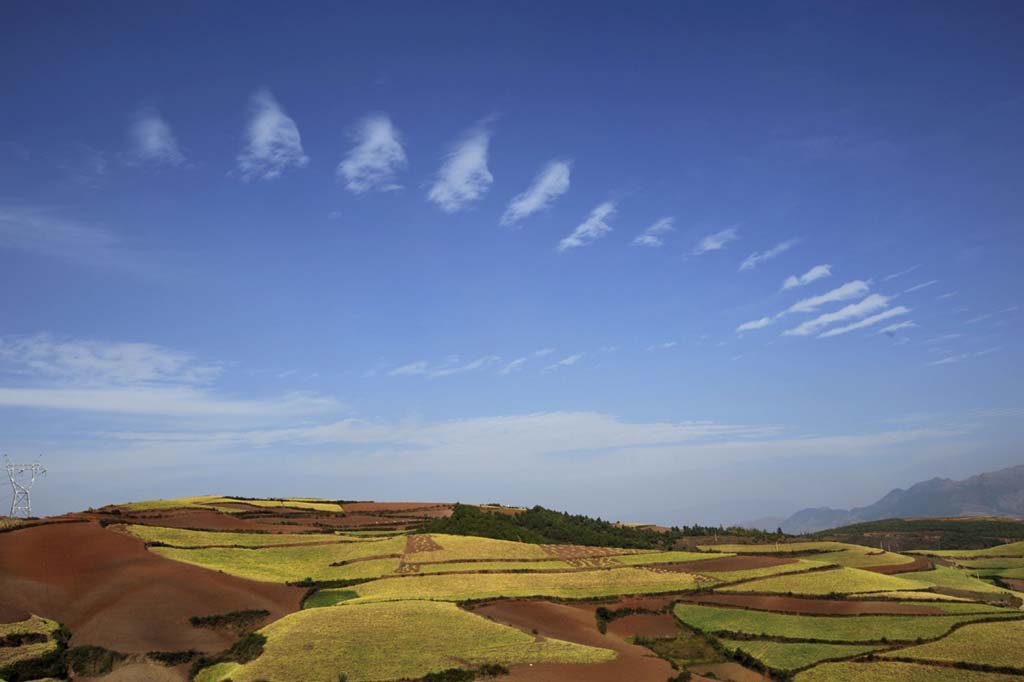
<point x="644" y="625"/>
<point x="816" y="607"/>
<point x="214" y="520"/>
<point x="575" y="624"/>
<point x="111" y="592"/>
<point x="734" y="672"/>
<point x="740" y="562"/>
<point x="420" y="508"/>
<point x="918" y="564"/>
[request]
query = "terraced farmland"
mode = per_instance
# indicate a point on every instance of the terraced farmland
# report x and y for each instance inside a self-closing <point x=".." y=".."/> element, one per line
<point x="347" y="640"/>
<point x="876" y="671"/>
<point x="831" y="581"/>
<point x="983" y="644"/>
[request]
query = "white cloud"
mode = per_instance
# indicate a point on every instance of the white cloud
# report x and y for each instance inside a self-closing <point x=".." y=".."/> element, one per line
<point x="854" y="289"/>
<point x="965" y="356"/>
<point x="867" y="322"/>
<point x="153" y="141"/>
<point x="652" y="235"/>
<point x="448" y="370"/>
<point x="130" y="379"/>
<point x="463" y="177"/>
<point x="854" y="310"/>
<point x="812" y="275"/>
<point x="376" y="158"/>
<point x="591" y="229"/>
<point x="663" y="346"/>
<point x="754" y="324"/>
<point x="41" y="231"/>
<point x="273" y="143"/>
<point x="986" y="316"/>
<point x="543" y="351"/>
<point x="892" y="328"/>
<point x="513" y="366"/>
<point x="948" y="294"/>
<point x="418" y="367"/>
<point x="714" y="242"/>
<point x="918" y="287"/>
<point x="565" y="362"/>
<point x="758" y="257"/>
<point x="551" y="183"/>
<point x="909" y="270"/>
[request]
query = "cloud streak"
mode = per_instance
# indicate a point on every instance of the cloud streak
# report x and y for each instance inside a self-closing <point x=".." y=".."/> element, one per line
<point x="567" y="361"/>
<point x="867" y="322"/>
<point x="758" y="257"/>
<point x="812" y="275"/>
<point x="375" y="160"/>
<point x="652" y="236"/>
<point x="865" y="307"/>
<point x="551" y="183"/>
<point x="715" y="242"/>
<point x="591" y="229"/>
<point x="153" y="142"/>
<point x="463" y="177"/>
<point x="273" y="144"/>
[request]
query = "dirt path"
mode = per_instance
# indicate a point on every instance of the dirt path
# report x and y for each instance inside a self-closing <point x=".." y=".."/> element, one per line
<point x="575" y="624"/>
<point x="111" y="592"/>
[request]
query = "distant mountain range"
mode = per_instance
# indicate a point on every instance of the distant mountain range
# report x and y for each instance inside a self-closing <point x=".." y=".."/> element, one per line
<point x="999" y="493"/>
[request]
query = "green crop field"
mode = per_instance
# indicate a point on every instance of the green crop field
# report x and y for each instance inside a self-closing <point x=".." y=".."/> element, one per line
<point x="665" y="558"/>
<point x="944" y="576"/>
<point x="795" y="655"/>
<point x="1014" y="549"/>
<point x="572" y="585"/>
<point x="287" y="564"/>
<point x="860" y="559"/>
<point x="477" y="566"/>
<point x="311" y="503"/>
<point x="180" y="537"/>
<point x="996" y="644"/>
<point x="835" y="581"/>
<point x="829" y="628"/>
<point x="911" y="594"/>
<point x="879" y="671"/>
<point x="212" y="502"/>
<point x="176" y="503"/>
<point x="372" y="642"/>
<point x="784" y="548"/>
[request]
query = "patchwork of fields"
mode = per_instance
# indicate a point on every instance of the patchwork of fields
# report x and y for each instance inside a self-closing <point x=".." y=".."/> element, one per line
<point x="387" y="601"/>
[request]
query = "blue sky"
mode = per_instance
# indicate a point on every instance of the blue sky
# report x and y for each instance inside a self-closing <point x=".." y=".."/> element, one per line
<point x="673" y="262"/>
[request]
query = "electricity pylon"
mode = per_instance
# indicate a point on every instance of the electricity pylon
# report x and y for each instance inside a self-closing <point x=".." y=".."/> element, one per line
<point x="22" y="476"/>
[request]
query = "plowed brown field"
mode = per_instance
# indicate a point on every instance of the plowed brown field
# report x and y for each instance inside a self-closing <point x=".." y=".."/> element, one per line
<point x="113" y="593"/>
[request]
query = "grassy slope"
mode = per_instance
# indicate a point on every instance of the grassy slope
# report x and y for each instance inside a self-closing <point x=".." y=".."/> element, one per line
<point x="997" y="644"/>
<point x="830" y="628"/>
<point x="796" y="655"/>
<point x="904" y="672"/>
<point x="180" y="537"/>
<point x="327" y="642"/>
<point x="837" y="581"/>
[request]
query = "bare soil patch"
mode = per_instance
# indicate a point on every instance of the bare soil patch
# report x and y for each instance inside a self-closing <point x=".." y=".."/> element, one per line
<point x="421" y="543"/>
<point x="575" y="624"/>
<point x="113" y="593"/>
<point x="918" y="564"/>
<point x="815" y="607"/>
<point x="1017" y="585"/>
<point x="202" y="519"/>
<point x="419" y="508"/>
<point x="740" y="562"/>
<point x="644" y="625"/>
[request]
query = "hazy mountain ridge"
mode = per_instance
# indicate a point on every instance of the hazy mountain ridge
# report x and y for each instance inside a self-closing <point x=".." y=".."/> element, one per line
<point x="997" y="493"/>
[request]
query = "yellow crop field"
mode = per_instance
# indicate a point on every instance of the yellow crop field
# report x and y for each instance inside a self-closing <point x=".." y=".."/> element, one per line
<point x="32" y="625"/>
<point x="476" y="566"/>
<point x="837" y="581"/>
<point x="795" y="655"/>
<point x="288" y="564"/>
<point x="944" y="576"/>
<point x="1013" y="549"/>
<point x="571" y="585"/>
<point x="290" y="502"/>
<point x="464" y="547"/>
<point x="864" y="557"/>
<point x="180" y="537"/>
<point x="176" y="503"/>
<point x="784" y="548"/>
<point x="798" y="566"/>
<point x="665" y="558"/>
<point x="876" y="671"/>
<point x="370" y="642"/>
<point x="996" y="644"/>
<point x="910" y="594"/>
<point x="212" y="502"/>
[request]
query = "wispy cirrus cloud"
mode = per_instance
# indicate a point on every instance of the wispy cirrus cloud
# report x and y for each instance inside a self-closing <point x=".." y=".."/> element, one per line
<point x="850" y="290"/>
<point x="918" y="287"/>
<point x="551" y="183"/>
<point x="153" y="142"/>
<point x="513" y="366"/>
<point x="591" y="229"/>
<point x="758" y="257"/>
<point x="715" y="242"/>
<point x="988" y="316"/>
<point x="456" y="368"/>
<point x="947" y="295"/>
<point x="951" y="359"/>
<point x="812" y="275"/>
<point x="866" y="322"/>
<point x="901" y="273"/>
<point x="663" y="346"/>
<point x="463" y="177"/>
<point x="567" y="361"/>
<point x="273" y="144"/>
<point x="375" y="160"/>
<point x="862" y="308"/>
<point x="652" y="236"/>
<point x="42" y="231"/>
<point x="893" y="328"/>
<point x="410" y="369"/>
